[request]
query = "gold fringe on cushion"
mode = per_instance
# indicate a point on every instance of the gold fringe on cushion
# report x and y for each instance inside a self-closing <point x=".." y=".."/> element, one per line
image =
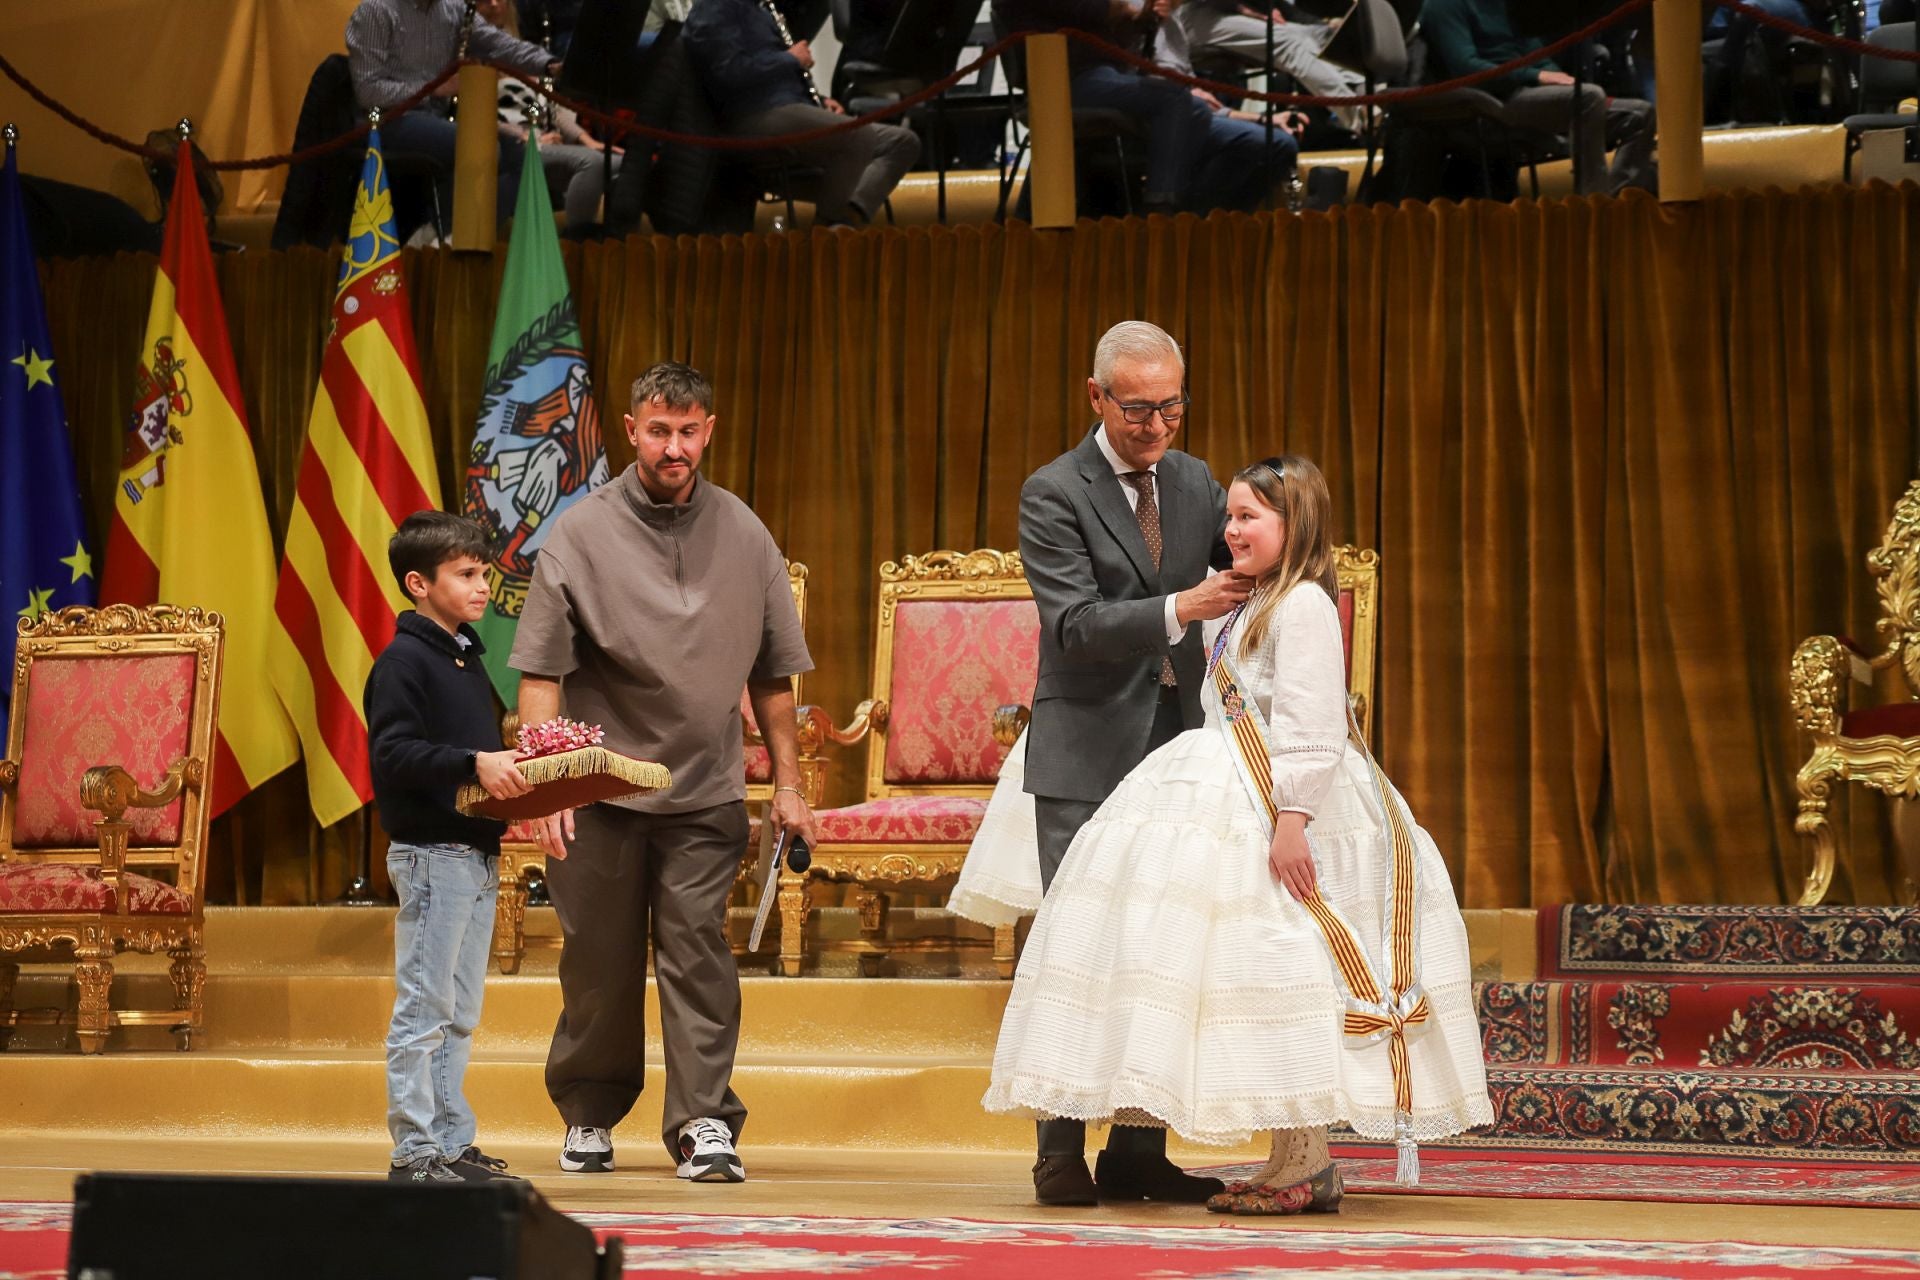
<point x="584" y="775"/>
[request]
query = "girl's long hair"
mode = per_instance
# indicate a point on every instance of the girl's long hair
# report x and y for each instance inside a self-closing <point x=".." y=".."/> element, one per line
<point x="1293" y="487"/>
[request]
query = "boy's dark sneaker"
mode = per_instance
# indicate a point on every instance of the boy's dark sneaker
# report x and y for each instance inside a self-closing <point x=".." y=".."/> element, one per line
<point x="475" y="1165"/>
<point x="423" y="1170"/>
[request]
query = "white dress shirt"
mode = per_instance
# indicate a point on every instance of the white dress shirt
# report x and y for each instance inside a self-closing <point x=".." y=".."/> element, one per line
<point x="1175" y="632"/>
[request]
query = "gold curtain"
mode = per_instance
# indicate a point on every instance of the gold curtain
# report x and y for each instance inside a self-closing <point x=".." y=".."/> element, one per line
<point x="1618" y="458"/>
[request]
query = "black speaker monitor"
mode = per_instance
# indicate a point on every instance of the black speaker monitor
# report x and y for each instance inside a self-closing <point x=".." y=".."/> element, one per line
<point x="135" y="1226"/>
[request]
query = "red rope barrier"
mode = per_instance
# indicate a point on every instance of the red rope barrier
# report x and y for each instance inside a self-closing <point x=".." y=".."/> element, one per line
<point x="1817" y="36"/>
<point x="612" y="123"/>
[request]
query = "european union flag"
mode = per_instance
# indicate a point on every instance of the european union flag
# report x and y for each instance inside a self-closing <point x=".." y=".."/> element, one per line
<point x="44" y="562"/>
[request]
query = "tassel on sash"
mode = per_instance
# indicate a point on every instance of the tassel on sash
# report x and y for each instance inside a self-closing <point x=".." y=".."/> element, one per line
<point x="1372" y="1013"/>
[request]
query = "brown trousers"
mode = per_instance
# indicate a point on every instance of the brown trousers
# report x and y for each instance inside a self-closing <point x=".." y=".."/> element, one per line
<point x="626" y="875"/>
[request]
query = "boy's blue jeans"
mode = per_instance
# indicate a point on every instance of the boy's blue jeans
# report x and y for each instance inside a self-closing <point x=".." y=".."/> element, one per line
<point x="441" y="943"/>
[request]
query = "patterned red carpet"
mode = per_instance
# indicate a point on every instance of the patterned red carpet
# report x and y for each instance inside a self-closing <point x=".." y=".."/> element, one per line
<point x="1540" y="1175"/>
<point x="33" y="1247"/>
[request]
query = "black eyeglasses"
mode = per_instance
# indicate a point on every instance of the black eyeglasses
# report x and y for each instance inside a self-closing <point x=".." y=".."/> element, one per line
<point x="1170" y="411"/>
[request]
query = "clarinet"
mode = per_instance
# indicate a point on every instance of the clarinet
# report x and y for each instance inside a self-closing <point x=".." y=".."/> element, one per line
<point x="786" y="38"/>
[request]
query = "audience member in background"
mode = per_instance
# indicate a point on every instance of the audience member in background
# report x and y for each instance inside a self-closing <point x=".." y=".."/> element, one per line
<point x="1241" y="30"/>
<point x="1236" y="170"/>
<point x="1466" y="36"/>
<point x="573" y="159"/>
<point x="1177" y="126"/>
<point x="1726" y="81"/>
<point x="762" y="87"/>
<point x="396" y="46"/>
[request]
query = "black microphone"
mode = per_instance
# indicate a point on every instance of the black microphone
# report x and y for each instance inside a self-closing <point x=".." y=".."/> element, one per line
<point x="799" y="854"/>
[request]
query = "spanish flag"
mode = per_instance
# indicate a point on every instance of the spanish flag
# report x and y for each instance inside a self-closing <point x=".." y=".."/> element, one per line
<point x="368" y="465"/>
<point x="189" y="525"/>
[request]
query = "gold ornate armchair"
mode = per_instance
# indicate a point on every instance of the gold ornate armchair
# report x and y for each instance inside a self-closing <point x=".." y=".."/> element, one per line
<point x="1877" y="745"/>
<point x="522" y="862"/>
<point x="108" y="703"/>
<point x="957" y="635"/>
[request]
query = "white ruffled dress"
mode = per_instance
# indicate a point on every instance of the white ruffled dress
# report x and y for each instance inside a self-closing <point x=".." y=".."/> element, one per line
<point x="1170" y="979"/>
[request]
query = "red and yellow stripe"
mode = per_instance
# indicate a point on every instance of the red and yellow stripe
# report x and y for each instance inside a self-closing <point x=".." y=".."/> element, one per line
<point x="368" y="464"/>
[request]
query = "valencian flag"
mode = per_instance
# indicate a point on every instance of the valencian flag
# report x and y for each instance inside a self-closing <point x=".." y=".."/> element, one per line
<point x="368" y="465"/>
<point x="189" y="525"/>
<point x="44" y="562"/>
<point x="537" y="446"/>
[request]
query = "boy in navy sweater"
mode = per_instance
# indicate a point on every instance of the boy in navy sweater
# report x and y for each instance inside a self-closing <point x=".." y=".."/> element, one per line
<point x="430" y="728"/>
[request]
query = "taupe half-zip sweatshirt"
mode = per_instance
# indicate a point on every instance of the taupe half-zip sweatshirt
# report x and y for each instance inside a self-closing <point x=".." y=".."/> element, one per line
<point x="653" y="617"/>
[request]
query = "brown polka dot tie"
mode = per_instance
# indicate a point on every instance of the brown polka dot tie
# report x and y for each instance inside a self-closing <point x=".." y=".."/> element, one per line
<point x="1147" y="511"/>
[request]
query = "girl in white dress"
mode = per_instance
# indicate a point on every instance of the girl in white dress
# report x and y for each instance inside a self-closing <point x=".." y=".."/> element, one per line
<point x="1251" y="933"/>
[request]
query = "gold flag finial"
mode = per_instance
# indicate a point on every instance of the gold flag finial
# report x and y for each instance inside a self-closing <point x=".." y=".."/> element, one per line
<point x="373" y="116"/>
<point x="184" y="128"/>
<point x="11" y="133"/>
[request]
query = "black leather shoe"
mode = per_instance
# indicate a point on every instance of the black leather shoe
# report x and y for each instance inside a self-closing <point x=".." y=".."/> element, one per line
<point x="1132" y="1177"/>
<point x="1063" y="1180"/>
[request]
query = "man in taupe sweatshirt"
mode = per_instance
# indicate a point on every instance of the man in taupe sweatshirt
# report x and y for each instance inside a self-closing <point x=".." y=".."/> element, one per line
<point x="655" y="600"/>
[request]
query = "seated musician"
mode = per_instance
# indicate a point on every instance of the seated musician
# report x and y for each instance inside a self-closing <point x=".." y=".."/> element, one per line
<point x="761" y="83"/>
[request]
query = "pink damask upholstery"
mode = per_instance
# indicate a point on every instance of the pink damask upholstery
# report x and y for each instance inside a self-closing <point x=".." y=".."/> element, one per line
<point x="134" y="712"/>
<point x="903" y="820"/>
<point x="52" y="888"/>
<point x="954" y="662"/>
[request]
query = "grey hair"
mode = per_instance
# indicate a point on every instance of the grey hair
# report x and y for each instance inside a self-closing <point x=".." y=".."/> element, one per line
<point x="677" y="386"/>
<point x="1133" y="340"/>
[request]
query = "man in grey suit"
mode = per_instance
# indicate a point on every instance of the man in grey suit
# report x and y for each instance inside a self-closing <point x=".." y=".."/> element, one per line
<point x="1117" y="535"/>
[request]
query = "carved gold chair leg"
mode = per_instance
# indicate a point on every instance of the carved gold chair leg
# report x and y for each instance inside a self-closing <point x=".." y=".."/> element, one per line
<point x="93" y="978"/>
<point x="1005" y="954"/>
<point x="510" y="924"/>
<point x="796" y="900"/>
<point x="188" y="973"/>
<point x="1814" y="782"/>
<point x="872" y="906"/>
<point x="1906" y="843"/>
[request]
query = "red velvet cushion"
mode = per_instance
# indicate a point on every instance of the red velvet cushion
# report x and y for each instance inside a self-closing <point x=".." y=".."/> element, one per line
<point x="1898" y="720"/>
<point x="54" y="888"/>
<point x="954" y="662"/>
<point x="903" y="820"/>
<point x="81" y="712"/>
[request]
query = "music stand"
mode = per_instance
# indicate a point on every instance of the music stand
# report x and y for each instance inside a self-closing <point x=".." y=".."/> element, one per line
<point x="602" y="68"/>
<point x="924" y="45"/>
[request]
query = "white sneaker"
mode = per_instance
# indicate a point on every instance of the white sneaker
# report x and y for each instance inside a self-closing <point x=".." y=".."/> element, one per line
<point x="707" y="1154"/>
<point x="587" y="1150"/>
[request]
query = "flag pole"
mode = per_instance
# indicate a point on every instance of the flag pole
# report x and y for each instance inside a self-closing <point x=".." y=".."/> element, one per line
<point x="359" y="890"/>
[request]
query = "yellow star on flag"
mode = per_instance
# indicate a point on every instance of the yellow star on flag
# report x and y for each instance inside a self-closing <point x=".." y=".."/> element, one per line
<point x="36" y="603"/>
<point x="80" y="562"/>
<point x="36" y="366"/>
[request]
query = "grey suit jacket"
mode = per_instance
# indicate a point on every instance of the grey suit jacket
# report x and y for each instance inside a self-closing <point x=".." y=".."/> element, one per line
<point x="1103" y="613"/>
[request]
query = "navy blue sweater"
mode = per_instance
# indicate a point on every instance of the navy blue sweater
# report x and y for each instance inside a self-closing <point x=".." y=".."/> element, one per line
<point x="429" y="710"/>
<point x="742" y="63"/>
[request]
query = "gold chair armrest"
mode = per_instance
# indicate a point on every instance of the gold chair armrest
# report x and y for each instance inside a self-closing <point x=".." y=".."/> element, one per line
<point x="1821" y="667"/>
<point x="870" y="716"/>
<point x="9" y="774"/>
<point x="110" y="791"/>
<point x="1009" y="722"/>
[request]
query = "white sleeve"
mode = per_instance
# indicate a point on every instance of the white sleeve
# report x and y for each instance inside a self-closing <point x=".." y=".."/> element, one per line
<point x="1307" y="727"/>
<point x="1175" y="632"/>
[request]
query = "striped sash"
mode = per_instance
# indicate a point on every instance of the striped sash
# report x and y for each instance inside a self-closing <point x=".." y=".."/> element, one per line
<point x="1377" y="1010"/>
